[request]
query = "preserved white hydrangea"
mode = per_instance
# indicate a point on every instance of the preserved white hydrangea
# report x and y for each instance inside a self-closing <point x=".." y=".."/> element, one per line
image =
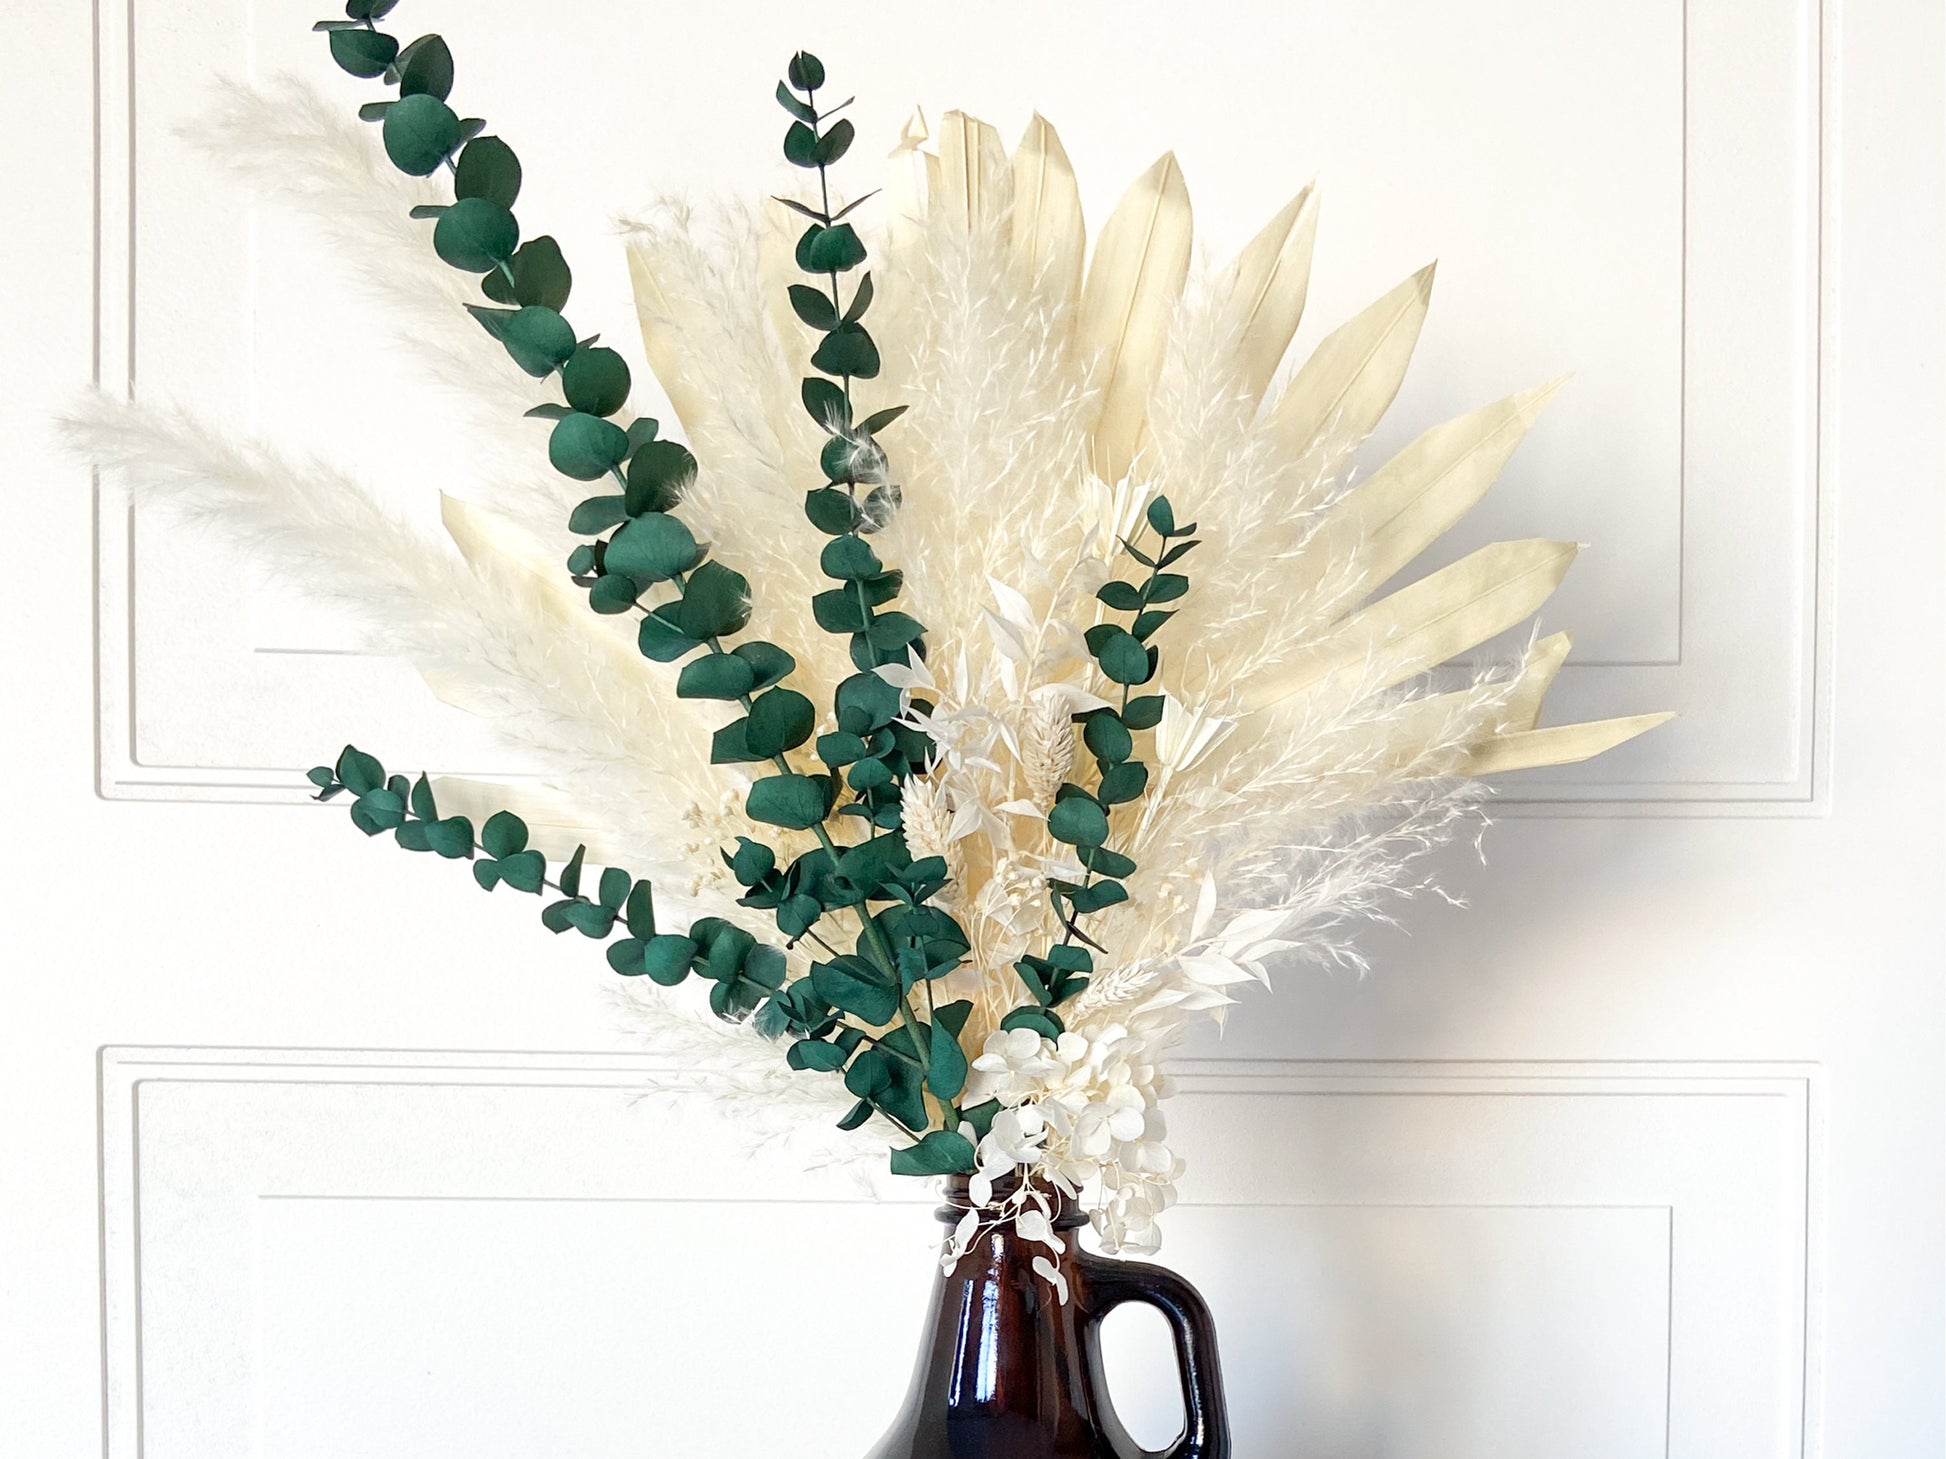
<point x="1080" y="1115"/>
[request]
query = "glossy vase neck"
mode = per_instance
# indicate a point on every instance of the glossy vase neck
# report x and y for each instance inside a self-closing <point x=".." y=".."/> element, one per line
<point x="1006" y="1370"/>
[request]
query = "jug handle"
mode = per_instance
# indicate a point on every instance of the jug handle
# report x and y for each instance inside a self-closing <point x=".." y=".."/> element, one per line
<point x="1206" y="1424"/>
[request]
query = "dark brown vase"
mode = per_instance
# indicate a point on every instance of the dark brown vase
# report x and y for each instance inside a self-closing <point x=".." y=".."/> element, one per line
<point x="1007" y="1371"/>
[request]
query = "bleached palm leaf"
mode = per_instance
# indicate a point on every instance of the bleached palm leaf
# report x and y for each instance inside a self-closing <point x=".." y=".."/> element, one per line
<point x="1134" y="281"/>
<point x="1050" y="237"/>
<point x="976" y="185"/>
<point x="1415" y="726"/>
<point x="1405" y="505"/>
<point x="662" y="317"/>
<point x="1427" y="622"/>
<point x="1564" y="744"/>
<point x="912" y="181"/>
<point x="1265" y="289"/>
<point x="1352" y="377"/>
<point x="1522" y="709"/>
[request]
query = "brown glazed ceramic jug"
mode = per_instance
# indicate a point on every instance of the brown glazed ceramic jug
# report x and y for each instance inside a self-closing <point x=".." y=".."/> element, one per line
<point x="1007" y="1371"/>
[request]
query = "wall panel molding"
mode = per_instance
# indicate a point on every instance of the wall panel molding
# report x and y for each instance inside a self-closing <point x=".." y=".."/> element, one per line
<point x="1470" y="1258"/>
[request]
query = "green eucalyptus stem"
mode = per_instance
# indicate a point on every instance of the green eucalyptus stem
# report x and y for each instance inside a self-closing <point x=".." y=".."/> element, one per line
<point x="640" y="541"/>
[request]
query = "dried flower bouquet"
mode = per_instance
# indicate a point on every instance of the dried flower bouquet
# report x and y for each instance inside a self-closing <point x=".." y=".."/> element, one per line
<point x="1094" y="712"/>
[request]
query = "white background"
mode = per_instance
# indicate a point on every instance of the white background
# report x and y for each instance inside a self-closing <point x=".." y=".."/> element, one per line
<point x="1641" y="1154"/>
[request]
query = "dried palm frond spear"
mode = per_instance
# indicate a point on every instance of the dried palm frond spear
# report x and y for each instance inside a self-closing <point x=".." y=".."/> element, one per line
<point x="1094" y="713"/>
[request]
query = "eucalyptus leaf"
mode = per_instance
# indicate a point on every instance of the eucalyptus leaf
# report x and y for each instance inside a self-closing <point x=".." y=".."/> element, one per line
<point x="614" y="887"/>
<point x="524" y="871"/>
<point x="475" y="235"/>
<point x="946" y="1063"/>
<point x="815" y="1054"/>
<point x="625" y="956"/>
<point x="596" y="515"/>
<point x="586" y="447"/>
<point x="878" y="420"/>
<point x="503" y="835"/>
<point x="639" y="910"/>
<point x="537" y="337"/>
<point x="377" y="810"/>
<point x="833" y="250"/>
<point x="658" y="473"/>
<point x="803" y="210"/>
<point x="865" y="702"/>
<point x="358" y="772"/>
<point x="845" y="558"/>
<point x="1043" y="1021"/>
<point x="419" y="131"/>
<point x="1101" y="860"/>
<point x="1123" y="658"/>
<point x="806" y="71"/>
<point x="803" y="111"/>
<point x="540" y="276"/>
<point x="847" y="350"/>
<point x="1122" y="783"/>
<point x="861" y="300"/>
<point x="890" y="632"/>
<point x="780" y="720"/>
<point x="614" y="593"/>
<point x="795" y="802"/>
<point x="854" y="986"/>
<point x="715" y="601"/>
<point x="667" y="958"/>
<point x="1107" y="737"/>
<point x="731" y="745"/>
<point x="834" y="143"/>
<point x="426" y="68"/>
<point x="364" y="53"/>
<point x="421" y="800"/>
<point x="641" y="431"/>
<point x="595" y="379"/>
<point x="652" y="548"/>
<point x="488" y="169"/>
<point x="715" y="676"/>
<point x="839" y="610"/>
<point x="769" y="664"/>
<point x="814" y="307"/>
<point x="801" y="145"/>
<point x="658" y="639"/>
<point x="1078" y="821"/>
<point x="939" y="1152"/>
<point x="831" y="511"/>
<point x="826" y="403"/>
<point x="451" y="838"/>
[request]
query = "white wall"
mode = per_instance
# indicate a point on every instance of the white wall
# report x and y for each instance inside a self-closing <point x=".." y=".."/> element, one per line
<point x="1640" y="1154"/>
